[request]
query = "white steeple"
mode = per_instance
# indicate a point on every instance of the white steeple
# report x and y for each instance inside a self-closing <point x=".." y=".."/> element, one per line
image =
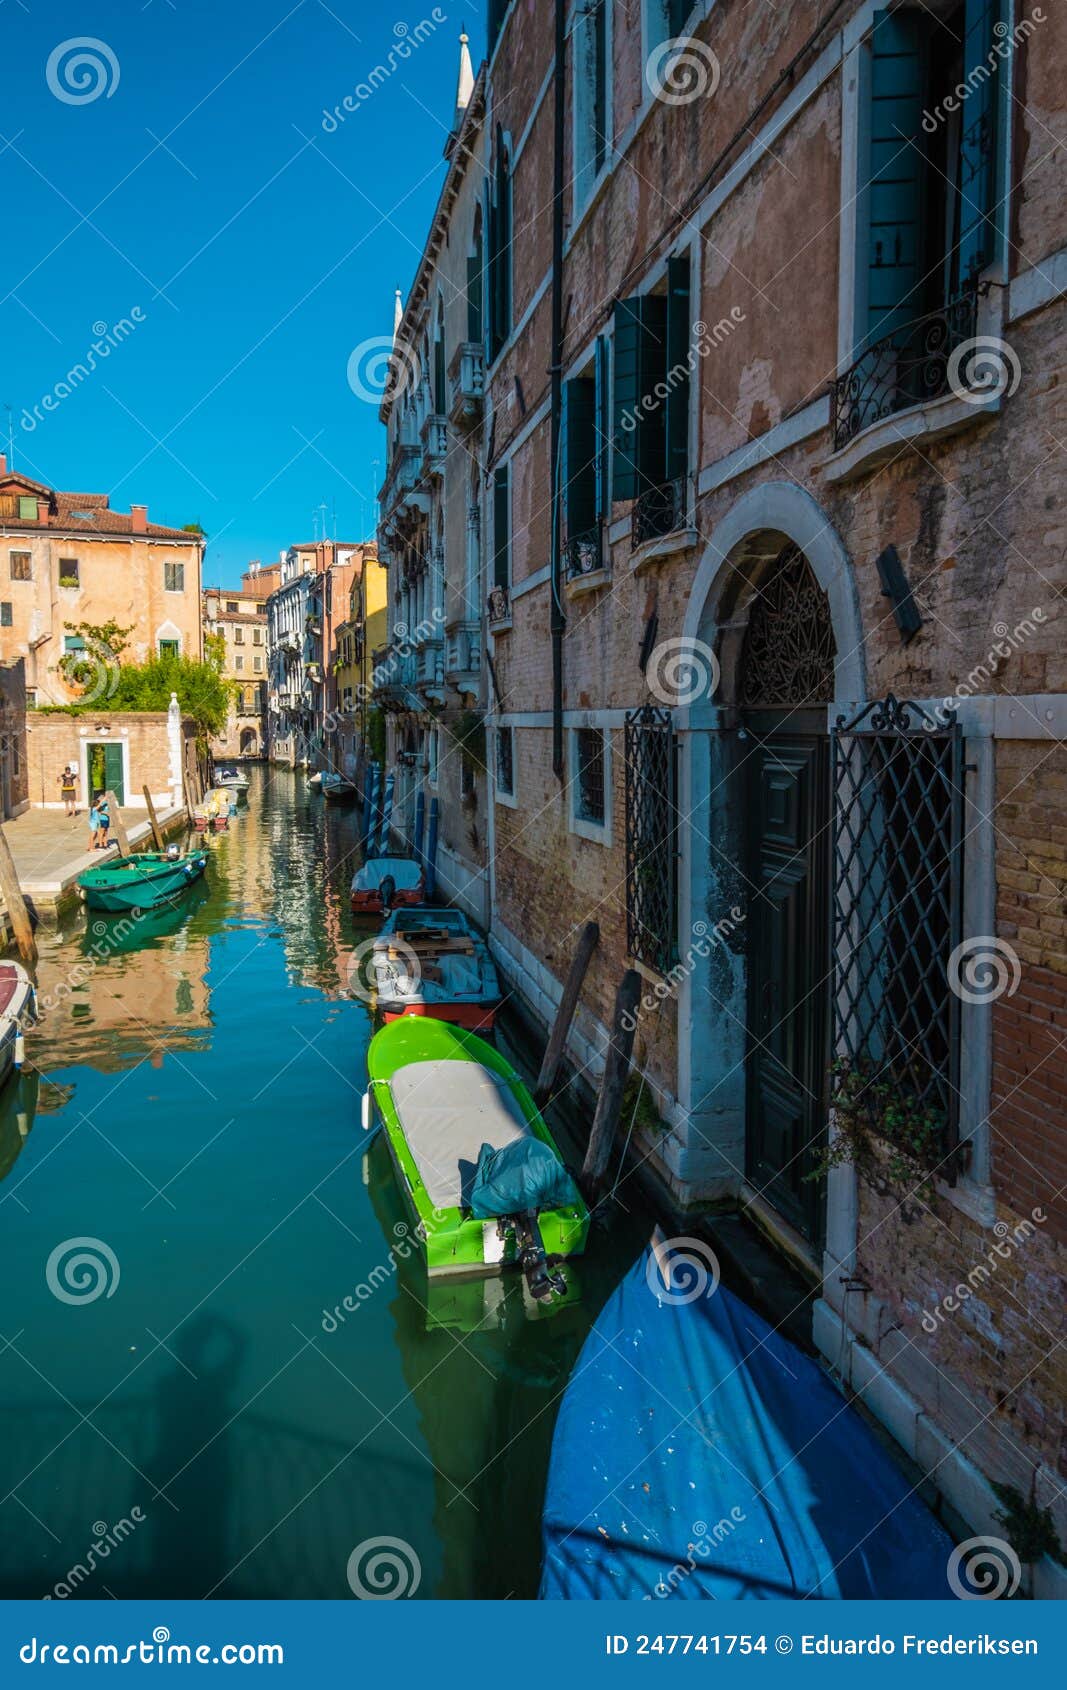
<point x="398" y="313"/>
<point x="465" y="82"/>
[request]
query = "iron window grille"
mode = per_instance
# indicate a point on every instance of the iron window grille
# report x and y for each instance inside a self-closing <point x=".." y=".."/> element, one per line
<point x="658" y="510"/>
<point x="505" y="762"/>
<point x="590" y="791"/>
<point x="651" y="838"/>
<point x="897" y="901"/>
<point x="911" y="365"/>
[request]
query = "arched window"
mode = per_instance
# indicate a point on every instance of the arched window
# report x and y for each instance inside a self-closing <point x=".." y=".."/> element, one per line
<point x="439" y="398"/>
<point x="475" y="260"/>
<point x="500" y="225"/>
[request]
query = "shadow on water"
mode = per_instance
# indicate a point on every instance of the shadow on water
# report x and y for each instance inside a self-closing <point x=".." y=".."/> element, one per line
<point x="196" y="1093"/>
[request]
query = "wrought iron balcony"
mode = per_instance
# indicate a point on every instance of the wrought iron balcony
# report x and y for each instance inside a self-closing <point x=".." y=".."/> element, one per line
<point x="405" y="473"/>
<point x="434" y="445"/>
<point x="910" y="366"/>
<point x="584" y="554"/>
<point x="466" y="383"/>
<point x="658" y="511"/>
<point x="498" y="606"/>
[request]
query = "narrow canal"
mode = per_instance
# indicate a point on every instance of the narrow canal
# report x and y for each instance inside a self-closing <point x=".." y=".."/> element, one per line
<point x="205" y="1423"/>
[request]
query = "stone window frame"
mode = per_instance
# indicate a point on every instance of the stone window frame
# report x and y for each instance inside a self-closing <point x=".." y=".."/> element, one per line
<point x="173" y="570"/>
<point x="503" y="794"/>
<point x="598" y="833"/>
<point x="21" y="555"/>
<point x="586" y="177"/>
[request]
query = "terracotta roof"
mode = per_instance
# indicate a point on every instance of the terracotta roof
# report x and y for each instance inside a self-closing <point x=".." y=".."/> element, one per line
<point x="84" y="513"/>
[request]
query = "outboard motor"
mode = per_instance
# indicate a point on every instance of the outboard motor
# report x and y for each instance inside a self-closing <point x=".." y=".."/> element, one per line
<point x="543" y="1280"/>
<point x="387" y="892"/>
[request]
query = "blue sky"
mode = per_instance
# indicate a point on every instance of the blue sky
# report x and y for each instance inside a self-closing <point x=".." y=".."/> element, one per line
<point x="198" y="197"/>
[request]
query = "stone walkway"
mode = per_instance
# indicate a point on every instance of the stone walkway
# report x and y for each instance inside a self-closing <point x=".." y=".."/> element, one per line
<point x="50" y="852"/>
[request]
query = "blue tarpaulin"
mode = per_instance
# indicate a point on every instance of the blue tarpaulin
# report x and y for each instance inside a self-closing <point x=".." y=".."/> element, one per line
<point x="525" y="1175"/>
<point x="698" y="1454"/>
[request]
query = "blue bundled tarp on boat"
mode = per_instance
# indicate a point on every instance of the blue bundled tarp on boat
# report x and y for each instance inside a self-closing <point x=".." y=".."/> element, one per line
<point x="699" y="1454"/>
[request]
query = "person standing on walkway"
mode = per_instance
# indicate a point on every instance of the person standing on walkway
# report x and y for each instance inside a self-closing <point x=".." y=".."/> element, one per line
<point x="68" y="787"/>
<point x="94" y="826"/>
<point x="103" y="820"/>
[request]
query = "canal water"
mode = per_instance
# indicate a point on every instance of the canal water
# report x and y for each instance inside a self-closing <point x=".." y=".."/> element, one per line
<point x="189" y="1410"/>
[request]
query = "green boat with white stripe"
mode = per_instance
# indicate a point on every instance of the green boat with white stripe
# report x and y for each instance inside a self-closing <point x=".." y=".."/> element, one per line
<point x="482" y="1176"/>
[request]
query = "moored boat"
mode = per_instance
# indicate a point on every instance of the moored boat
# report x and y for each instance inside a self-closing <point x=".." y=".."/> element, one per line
<point x="401" y="879"/>
<point x="432" y="962"/>
<point x="476" y="1163"/>
<point x="141" y="882"/>
<point x="235" y="780"/>
<point x="337" y="789"/>
<point x="18" y="1010"/>
<point x="699" y="1455"/>
<point x="214" y="810"/>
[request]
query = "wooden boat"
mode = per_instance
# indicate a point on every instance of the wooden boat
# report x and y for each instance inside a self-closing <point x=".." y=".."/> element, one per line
<point x="141" y="882"/>
<point x="18" y="1010"/>
<point x="214" y="810"/>
<point x="401" y="877"/>
<point x="433" y="962"/>
<point x="336" y="789"/>
<point x="476" y="1164"/>
<point x="685" y="1406"/>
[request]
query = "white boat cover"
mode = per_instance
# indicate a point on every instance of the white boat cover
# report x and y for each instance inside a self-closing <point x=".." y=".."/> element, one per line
<point x="404" y="870"/>
<point x="448" y="1110"/>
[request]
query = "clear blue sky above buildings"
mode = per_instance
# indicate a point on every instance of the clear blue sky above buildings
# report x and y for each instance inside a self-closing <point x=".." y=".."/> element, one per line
<point x="257" y="247"/>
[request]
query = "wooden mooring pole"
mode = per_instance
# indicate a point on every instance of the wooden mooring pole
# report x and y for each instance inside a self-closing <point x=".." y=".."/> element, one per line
<point x="118" y="826"/>
<point x="612" y="1086"/>
<point x="17" y="912"/>
<point x="568" y="1003"/>
<point x="153" y="821"/>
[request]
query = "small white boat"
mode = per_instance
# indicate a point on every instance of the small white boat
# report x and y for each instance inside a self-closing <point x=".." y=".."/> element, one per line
<point x="235" y="779"/>
<point x="18" y="1010"/>
<point x="336" y="789"/>
<point x="315" y="779"/>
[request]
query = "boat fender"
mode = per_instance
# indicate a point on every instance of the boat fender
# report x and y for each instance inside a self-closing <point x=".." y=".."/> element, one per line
<point x="365" y="1111"/>
<point x="20" y="1048"/>
<point x="387" y="891"/>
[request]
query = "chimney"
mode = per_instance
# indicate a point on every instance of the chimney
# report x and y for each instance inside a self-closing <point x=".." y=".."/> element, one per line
<point x="3" y="463"/>
<point x="138" y="518"/>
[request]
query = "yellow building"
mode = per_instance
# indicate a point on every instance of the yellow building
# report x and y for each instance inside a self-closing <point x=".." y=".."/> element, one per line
<point x="239" y="618"/>
<point x="68" y="559"/>
<point x="354" y="640"/>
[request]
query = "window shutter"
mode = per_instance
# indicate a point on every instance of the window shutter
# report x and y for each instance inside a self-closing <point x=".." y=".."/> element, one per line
<point x="978" y="141"/>
<point x="603" y="430"/>
<point x="897" y="159"/>
<point x="439" y="401"/>
<point x="677" y="14"/>
<point x="627" y="375"/>
<point x="502" y="527"/>
<point x="579" y="455"/>
<point x="600" y="82"/>
<point x="474" y="295"/>
<point x="679" y="352"/>
<point x="652" y="460"/>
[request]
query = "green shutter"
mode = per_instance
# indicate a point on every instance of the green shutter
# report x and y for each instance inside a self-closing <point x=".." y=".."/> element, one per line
<point x="627" y="353"/>
<point x="579" y="455"/>
<point x="978" y="151"/>
<point x="677" y="15"/>
<point x="600" y="83"/>
<point x="603" y="430"/>
<point x="652" y="458"/>
<point x="474" y="295"/>
<point x="679" y="353"/>
<point x="897" y="167"/>
<point x="501" y="528"/>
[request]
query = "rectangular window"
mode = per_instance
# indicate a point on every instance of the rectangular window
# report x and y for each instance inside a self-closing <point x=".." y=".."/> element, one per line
<point x="5" y="614"/>
<point x="502" y="527"/>
<point x="257" y="664"/>
<point x="505" y="762"/>
<point x="257" y="636"/>
<point x="589" y="783"/>
<point x="585" y="466"/>
<point x="499" y="204"/>
<point x="27" y="508"/>
<point x="238" y="662"/>
<point x="650" y="426"/>
<point x="238" y="636"/>
<point x="174" y="577"/>
<point x="590" y="60"/>
<point x="169" y="648"/>
<point x="21" y="566"/>
<point x="68" y="572"/>
<point x="232" y="606"/>
<point x="651" y="838"/>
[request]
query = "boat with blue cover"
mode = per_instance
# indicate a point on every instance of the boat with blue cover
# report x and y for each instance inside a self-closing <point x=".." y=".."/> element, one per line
<point x="431" y="961"/>
<point x="699" y="1455"/>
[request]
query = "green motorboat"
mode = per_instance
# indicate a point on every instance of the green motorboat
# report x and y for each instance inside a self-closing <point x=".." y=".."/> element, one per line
<point x="479" y="1170"/>
<point x="141" y="882"/>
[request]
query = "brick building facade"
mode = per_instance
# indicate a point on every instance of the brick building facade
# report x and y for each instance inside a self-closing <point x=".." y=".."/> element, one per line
<point x="774" y="565"/>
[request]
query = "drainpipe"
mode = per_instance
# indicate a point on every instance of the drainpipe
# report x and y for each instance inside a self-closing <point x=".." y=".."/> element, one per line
<point x="558" y="619"/>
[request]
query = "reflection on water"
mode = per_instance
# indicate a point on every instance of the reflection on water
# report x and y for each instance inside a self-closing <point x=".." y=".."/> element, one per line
<point x="194" y="1108"/>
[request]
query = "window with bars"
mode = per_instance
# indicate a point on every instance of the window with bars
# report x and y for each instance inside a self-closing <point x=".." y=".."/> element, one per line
<point x="590" y="784"/>
<point x="651" y="838"/>
<point x="897" y="902"/>
<point x="505" y="762"/>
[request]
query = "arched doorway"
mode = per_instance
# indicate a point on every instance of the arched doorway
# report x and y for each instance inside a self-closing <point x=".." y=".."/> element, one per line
<point x="248" y="742"/>
<point x="785" y="680"/>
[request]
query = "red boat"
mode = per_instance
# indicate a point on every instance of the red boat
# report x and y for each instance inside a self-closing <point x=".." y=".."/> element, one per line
<point x="401" y="878"/>
<point x="433" y="962"/>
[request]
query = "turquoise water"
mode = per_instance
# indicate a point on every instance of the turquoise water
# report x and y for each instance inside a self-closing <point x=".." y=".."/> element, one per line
<point x="205" y="1423"/>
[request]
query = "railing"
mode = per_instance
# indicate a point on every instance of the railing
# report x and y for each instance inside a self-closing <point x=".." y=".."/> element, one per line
<point x="404" y="474"/>
<point x="430" y="663"/>
<point x="584" y="554"/>
<point x="466" y="384"/>
<point x="498" y="605"/>
<point x="658" y="511"/>
<point x="463" y="651"/>
<point x="434" y="444"/>
<point x="912" y="365"/>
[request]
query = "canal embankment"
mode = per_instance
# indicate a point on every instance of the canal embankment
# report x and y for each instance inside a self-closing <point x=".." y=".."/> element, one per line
<point x="48" y="848"/>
